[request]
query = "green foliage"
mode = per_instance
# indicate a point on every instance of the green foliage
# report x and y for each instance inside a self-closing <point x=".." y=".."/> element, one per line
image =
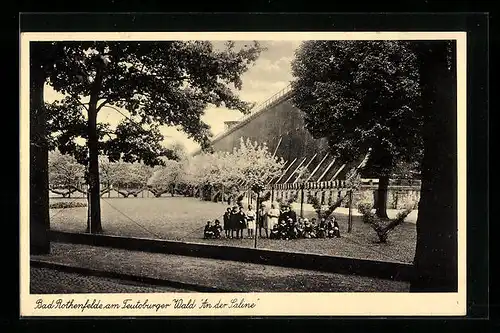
<point x="157" y="83"/>
<point x="360" y="95"/>
<point x="133" y="143"/>
<point x="353" y="179"/>
<point x="365" y="209"/>
<point x="406" y="170"/>
<point x="255" y="164"/>
<point x="131" y="178"/>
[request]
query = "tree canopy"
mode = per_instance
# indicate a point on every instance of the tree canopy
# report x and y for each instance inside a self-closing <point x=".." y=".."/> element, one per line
<point x="360" y="95"/>
<point x="158" y="84"/>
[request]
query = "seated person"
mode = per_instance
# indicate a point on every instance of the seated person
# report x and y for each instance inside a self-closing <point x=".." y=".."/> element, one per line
<point x="314" y="226"/>
<point x="299" y="228"/>
<point x="291" y="229"/>
<point x="321" y="228"/>
<point x="208" y="232"/>
<point x="217" y="229"/>
<point x="329" y="228"/>
<point x="274" y="232"/>
<point x="283" y="230"/>
<point x="336" y="228"/>
<point x="308" y="229"/>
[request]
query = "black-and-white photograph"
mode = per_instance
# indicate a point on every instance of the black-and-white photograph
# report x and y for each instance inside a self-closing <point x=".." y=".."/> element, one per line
<point x="243" y="166"/>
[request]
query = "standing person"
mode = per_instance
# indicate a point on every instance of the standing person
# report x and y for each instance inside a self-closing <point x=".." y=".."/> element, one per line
<point x="251" y="217"/>
<point x="227" y="222"/>
<point x="273" y="216"/>
<point x="234" y="221"/>
<point x="263" y="221"/>
<point x="242" y="222"/>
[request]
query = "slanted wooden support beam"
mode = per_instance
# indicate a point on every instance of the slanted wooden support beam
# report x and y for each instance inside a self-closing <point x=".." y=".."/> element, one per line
<point x="277" y="146"/>
<point x="271" y="180"/>
<point x="291" y="175"/>
<point x="338" y="171"/>
<point x="326" y="170"/>
<point x="317" y="167"/>
<point x="284" y="173"/>
<point x="307" y="166"/>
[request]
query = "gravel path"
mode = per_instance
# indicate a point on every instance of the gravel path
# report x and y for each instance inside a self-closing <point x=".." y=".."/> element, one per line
<point x="49" y="281"/>
<point x="229" y="275"/>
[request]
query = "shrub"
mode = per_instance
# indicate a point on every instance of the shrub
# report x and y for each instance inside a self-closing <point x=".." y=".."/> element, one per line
<point x="365" y="209"/>
<point x="67" y="204"/>
<point x="381" y="228"/>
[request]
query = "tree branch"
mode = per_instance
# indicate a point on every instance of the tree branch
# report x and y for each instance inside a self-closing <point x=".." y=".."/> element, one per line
<point x="79" y="102"/>
<point x="102" y="104"/>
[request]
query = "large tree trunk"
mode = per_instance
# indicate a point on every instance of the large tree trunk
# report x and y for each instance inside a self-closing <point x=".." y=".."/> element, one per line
<point x="381" y="202"/>
<point x="39" y="175"/>
<point x="436" y="252"/>
<point x="95" y="192"/>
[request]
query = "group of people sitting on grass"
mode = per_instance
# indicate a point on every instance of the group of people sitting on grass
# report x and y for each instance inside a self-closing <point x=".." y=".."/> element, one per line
<point x="276" y="224"/>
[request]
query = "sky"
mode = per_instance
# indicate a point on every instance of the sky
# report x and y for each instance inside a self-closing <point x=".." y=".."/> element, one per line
<point x="270" y="73"/>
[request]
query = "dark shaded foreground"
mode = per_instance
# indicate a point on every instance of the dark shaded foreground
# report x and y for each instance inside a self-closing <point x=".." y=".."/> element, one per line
<point x="223" y="274"/>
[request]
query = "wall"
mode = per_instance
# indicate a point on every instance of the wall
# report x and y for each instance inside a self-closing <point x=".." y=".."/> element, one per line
<point x="343" y="265"/>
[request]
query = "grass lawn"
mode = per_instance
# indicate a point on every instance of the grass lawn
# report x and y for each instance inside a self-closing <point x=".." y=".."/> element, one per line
<point x="183" y="219"/>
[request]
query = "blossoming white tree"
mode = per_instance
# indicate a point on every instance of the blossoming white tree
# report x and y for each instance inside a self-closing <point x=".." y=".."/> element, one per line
<point x="256" y="164"/>
<point x="132" y="178"/>
<point x="247" y="167"/>
<point x="165" y="178"/>
<point x="65" y="174"/>
<point x="109" y="174"/>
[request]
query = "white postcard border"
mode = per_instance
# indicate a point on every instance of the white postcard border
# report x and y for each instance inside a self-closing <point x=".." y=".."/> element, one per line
<point x="266" y="304"/>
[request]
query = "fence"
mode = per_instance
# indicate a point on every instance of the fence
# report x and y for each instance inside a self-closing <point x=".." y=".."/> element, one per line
<point x="397" y="196"/>
<point x="109" y="193"/>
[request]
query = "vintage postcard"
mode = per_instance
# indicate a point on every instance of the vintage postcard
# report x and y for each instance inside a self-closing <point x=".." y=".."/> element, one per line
<point x="243" y="174"/>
